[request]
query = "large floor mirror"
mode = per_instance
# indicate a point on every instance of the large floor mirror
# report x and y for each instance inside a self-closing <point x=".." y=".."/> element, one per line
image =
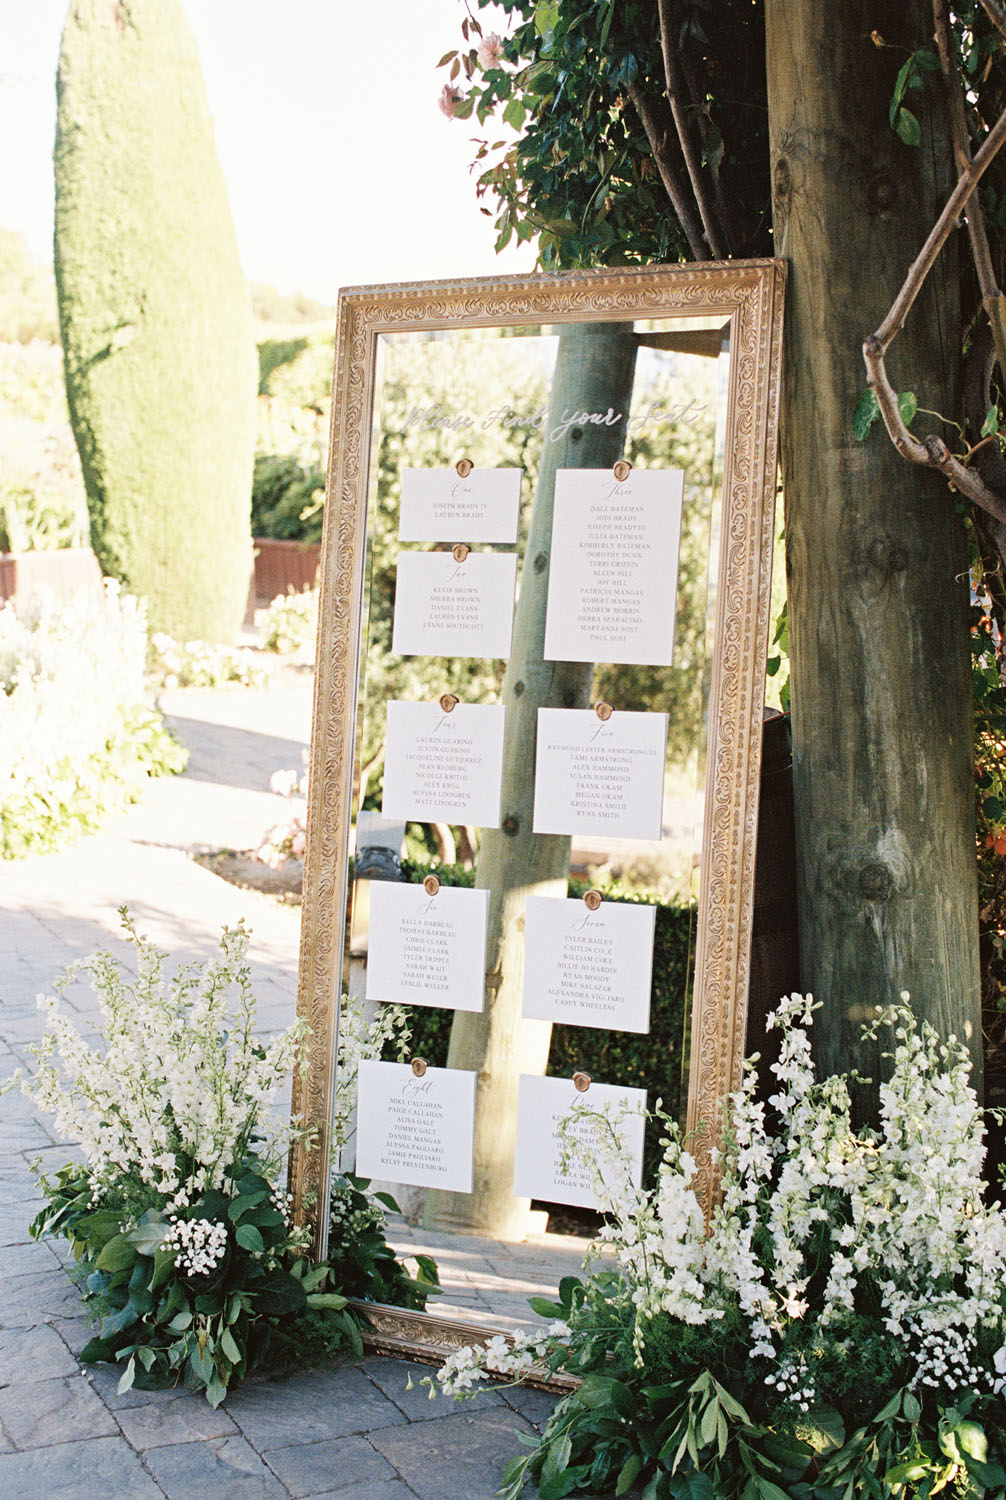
<point x="534" y="772"/>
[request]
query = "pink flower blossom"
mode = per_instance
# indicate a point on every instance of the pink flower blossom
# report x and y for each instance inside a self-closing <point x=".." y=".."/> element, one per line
<point x="490" y="53"/>
<point x="450" y="97"/>
<point x="298" y="843"/>
<point x="283" y="783"/>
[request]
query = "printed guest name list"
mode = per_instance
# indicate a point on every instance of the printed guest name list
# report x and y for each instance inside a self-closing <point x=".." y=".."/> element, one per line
<point x="614" y="566"/>
<point x="444" y="767"/>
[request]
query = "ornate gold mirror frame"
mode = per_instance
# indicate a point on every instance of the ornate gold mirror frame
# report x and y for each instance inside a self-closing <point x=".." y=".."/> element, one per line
<point x="746" y="298"/>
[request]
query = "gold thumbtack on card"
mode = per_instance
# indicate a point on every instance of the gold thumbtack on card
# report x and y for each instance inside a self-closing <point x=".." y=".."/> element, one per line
<point x="448" y="702"/>
<point x="581" y="1082"/>
<point x="464" y="467"/>
<point x="592" y="900"/>
<point x="603" y="710"/>
<point x="419" y="1066"/>
<point x="460" y="551"/>
<point x="622" y="470"/>
<point x="431" y="885"/>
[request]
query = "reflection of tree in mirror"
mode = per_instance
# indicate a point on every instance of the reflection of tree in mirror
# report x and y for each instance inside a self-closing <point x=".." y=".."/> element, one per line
<point x="688" y="445"/>
<point x="497" y="382"/>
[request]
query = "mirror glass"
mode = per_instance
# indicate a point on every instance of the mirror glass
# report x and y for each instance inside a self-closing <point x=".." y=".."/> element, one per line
<point x="511" y="868"/>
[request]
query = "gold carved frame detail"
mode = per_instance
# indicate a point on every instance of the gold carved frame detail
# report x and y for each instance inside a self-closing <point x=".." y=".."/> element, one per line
<point x="748" y="295"/>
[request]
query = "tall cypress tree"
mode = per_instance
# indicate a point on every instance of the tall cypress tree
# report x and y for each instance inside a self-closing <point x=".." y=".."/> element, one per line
<point x="155" y="316"/>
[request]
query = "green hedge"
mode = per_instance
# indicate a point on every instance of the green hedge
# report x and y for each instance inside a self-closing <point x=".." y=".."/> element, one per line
<point x="281" y="493"/>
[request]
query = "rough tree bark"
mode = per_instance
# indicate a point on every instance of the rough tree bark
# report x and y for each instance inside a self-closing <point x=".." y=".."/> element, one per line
<point x="876" y="555"/>
<point x="594" y="372"/>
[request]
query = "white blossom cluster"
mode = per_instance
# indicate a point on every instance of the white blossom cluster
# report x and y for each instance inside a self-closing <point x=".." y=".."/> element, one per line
<point x="347" y="1223"/>
<point x="199" y="1245"/>
<point x="179" y="1084"/>
<point x="512" y="1357"/>
<point x="899" y="1211"/>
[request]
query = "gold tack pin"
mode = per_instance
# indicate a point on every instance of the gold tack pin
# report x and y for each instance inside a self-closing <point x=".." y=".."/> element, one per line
<point x="448" y="702"/>
<point x="603" y="710"/>
<point x="592" y="900"/>
<point x="419" y="1066"/>
<point x="464" y="467"/>
<point x="622" y="470"/>
<point x="431" y="885"/>
<point x="460" y="551"/>
<point x="581" y="1082"/>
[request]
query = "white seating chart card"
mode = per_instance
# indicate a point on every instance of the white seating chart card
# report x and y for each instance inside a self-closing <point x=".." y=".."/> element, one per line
<point x="542" y="1104"/>
<point x="416" y="1130"/>
<point x="614" y="566"/>
<point x="444" y="767"/>
<point x="427" y="950"/>
<point x="449" y="608"/>
<point x="438" y="505"/>
<point x="599" y="777"/>
<point x="588" y="968"/>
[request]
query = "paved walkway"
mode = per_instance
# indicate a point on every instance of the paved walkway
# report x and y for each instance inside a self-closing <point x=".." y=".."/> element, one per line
<point x="354" y="1430"/>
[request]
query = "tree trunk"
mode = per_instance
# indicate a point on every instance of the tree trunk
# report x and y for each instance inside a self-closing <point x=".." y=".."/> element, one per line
<point x="594" y="372"/>
<point x="876" y="556"/>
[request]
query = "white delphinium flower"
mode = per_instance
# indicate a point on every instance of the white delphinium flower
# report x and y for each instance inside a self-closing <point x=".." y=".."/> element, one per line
<point x="180" y="1084"/>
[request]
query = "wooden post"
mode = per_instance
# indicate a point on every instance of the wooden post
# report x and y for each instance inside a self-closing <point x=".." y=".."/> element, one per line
<point x="877" y="566"/>
<point x="594" y="373"/>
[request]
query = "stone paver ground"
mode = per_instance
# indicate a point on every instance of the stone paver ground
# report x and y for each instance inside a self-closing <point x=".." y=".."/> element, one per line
<point x="353" y="1430"/>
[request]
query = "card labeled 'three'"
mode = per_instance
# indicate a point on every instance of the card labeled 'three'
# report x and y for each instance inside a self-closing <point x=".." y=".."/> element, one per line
<point x="449" y="608"/>
<point x="427" y="950"/>
<point x="542" y="1105"/>
<point x="416" y="1130"/>
<point x="444" y="767"/>
<point x="614" y="566"/>
<point x="588" y="968"/>
<point x="438" y="505"/>
<point x="599" y="778"/>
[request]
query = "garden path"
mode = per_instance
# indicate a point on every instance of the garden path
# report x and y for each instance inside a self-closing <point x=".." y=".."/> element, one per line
<point x="354" y="1430"/>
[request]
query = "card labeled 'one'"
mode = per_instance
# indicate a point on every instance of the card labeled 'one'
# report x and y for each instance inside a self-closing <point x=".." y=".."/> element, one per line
<point x="427" y="950"/>
<point x="614" y="566"/>
<point x="540" y="1170"/>
<point x="444" y="767"/>
<point x="599" y="778"/>
<point x="449" y="608"/>
<point x="439" y="506"/>
<point x="588" y="968"/>
<point x="416" y="1130"/>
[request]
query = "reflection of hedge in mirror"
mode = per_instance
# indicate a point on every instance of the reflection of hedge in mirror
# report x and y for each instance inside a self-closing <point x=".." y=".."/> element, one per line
<point x="653" y="1061"/>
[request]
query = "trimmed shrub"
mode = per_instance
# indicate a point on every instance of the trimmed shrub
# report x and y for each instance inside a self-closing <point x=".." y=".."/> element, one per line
<point x="161" y="368"/>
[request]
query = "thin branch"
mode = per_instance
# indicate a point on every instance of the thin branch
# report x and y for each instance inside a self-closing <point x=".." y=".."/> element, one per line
<point x="923" y="264"/>
<point x="993" y="300"/>
<point x="672" y="79"/>
<point x="932" y="452"/>
<point x="995" y="13"/>
<point x="656" y="134"/>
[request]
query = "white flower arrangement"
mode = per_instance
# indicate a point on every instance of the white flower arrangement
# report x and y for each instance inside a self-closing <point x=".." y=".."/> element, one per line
<point x="897" y="1214"/>
<point x="182" y="1085"/>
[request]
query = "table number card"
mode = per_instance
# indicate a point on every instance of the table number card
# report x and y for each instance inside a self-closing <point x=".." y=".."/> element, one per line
<point x="542" y="1104"/>
<point x="588" y="968"/>
<point x="599" y="777"/>
<point x="438" y="505"/>
<point x="614" y="562"/>
<point x="427" y="950"/>
<point x="449" y="608"/>
<point x="444" y="767"/>
<point x="416" y="1130"/>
